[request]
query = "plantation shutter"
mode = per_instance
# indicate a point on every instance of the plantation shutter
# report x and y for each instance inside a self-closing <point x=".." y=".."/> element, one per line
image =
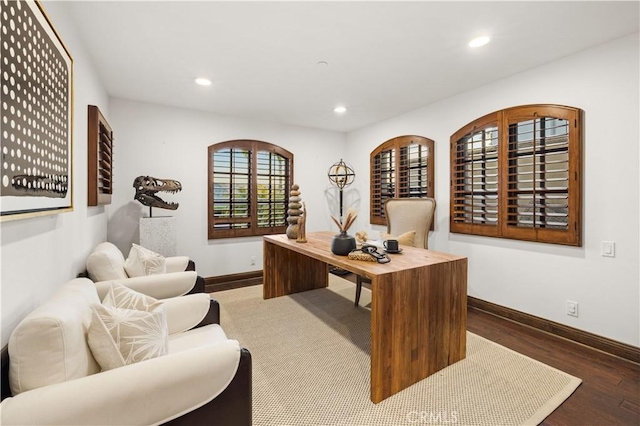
<point x="401" y="167"/>
<point x="541" y="188"/>
<point x="383" y="183"/>
<point x="249" y="185"/>
<point x="516" y="173"/>
<point x="474" y="178"/>
<point x="272" y="189"/>
<point x="231" y="191"/>
<point x="413" y="171"/>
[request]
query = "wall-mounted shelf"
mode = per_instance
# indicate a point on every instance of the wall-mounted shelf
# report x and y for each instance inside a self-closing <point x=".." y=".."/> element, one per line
<point x="100" y="149"/>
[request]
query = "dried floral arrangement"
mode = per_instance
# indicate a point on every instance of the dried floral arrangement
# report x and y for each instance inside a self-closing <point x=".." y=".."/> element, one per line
<point x="347" y="222"/>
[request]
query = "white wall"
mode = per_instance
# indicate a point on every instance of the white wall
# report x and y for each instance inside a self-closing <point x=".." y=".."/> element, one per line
<point x="533" y="277"/>
<point x="171" y="143"/>
<point x="40" y="254"/>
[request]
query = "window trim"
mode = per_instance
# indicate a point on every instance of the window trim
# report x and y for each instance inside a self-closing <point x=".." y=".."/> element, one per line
<point x="254" y="146"/>
<point x="501" y="119"/>
<point x="396" y="144"/>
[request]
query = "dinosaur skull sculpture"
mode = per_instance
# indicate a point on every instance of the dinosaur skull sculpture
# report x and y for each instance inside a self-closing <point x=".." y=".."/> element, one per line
<point x="147" y="187"/>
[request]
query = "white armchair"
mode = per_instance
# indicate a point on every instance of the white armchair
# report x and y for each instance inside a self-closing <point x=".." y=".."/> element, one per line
<point x="106" y="263"/>
<point x="55" y="380"/>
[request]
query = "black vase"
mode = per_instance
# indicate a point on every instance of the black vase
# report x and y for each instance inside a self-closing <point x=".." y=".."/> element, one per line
<point x="342" y="244"/>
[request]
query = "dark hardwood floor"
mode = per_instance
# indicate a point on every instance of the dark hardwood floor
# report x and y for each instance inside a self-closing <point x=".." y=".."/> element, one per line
<point x="610" y="389"/>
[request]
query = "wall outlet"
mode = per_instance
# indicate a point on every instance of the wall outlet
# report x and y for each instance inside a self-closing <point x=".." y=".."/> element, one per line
<point x="572" y="308"/>
<point x="608" y="248"/>
<point x="253" y="260"/>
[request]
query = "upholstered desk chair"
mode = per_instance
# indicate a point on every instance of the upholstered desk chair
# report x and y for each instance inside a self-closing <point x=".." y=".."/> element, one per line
<point x="406" y="215"/>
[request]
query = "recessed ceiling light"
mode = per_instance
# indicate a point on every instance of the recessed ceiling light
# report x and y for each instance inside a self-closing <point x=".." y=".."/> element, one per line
<point x="203" y="81"/>
<point x="340" y="109"/>
<point x="479" y="41"/>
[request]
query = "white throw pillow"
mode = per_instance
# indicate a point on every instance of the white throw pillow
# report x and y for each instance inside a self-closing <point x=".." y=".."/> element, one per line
<point x="119" y="337"/>
<point x="119" y="296"/>
<point x="106" y="262"/>
<point x="142" y="261"/>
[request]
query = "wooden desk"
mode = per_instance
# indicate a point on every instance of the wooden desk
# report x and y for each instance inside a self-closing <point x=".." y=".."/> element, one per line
<point x="418" y="309"/>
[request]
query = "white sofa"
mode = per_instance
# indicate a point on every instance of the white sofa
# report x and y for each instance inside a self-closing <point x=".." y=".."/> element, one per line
<point x="55" y="380"/>
<point x="107" y="263"/>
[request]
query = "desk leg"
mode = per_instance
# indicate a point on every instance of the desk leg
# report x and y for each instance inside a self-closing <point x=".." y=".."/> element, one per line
<point x="287" y="272"/>
<point x="418" y="325"/>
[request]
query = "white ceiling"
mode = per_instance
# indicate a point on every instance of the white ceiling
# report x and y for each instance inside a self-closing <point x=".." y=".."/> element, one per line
<point x="384" y="58"/>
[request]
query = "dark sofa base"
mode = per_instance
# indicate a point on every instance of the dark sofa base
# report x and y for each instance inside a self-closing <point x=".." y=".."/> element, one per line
<point x="232" y="407"/>
<point x="198" y="287"/>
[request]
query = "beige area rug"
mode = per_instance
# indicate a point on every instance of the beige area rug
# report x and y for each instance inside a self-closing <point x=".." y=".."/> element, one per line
<point x="311" y="367"/>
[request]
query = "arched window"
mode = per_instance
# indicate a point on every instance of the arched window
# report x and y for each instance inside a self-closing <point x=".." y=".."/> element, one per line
<point x="249" y="184"/>
<point x="516" y="173"/>
<point x="401" y="167"/>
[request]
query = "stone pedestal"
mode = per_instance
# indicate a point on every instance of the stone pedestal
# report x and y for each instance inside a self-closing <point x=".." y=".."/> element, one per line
<point x="159" y="234"/>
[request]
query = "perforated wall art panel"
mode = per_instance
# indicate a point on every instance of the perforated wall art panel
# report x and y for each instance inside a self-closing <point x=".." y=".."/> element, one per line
<point x="36" y="106"/>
